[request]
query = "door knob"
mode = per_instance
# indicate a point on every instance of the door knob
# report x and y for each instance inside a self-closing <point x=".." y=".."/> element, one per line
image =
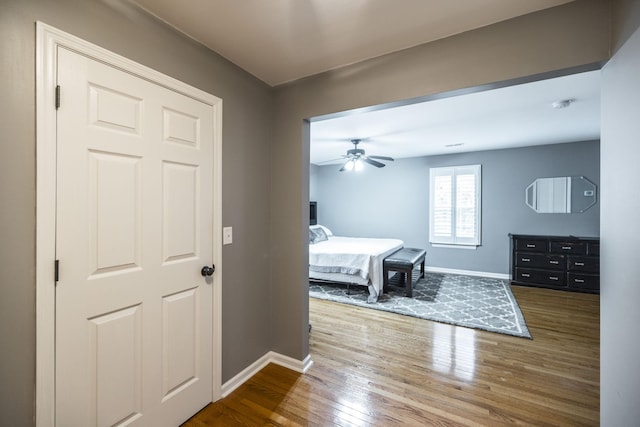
<point x="207" y="271"/>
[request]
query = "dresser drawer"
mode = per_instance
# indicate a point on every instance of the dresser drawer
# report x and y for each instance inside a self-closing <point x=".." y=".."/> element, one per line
<point x="563" y="263"/>
<point x="583" y="264"/>
<point x="538" y="260"/>
<point x="589" y="282"/>
<point x="531" y="245"/>
<point x="543" y="277"/>
<point x="578" y="248"/>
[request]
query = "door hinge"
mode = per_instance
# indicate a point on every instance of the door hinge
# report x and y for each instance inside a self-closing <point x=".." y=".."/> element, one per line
<point x="57" y="97"/>
<point x="56" y="274"/>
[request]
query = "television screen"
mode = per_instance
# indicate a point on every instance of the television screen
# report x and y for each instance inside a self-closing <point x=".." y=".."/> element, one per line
<point x="313" y="213"/>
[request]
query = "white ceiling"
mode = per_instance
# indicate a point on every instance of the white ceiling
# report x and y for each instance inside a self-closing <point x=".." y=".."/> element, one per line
<point x="283" y="40"/>
<point x="280" y="41"/>
<point x="513" y="116"/>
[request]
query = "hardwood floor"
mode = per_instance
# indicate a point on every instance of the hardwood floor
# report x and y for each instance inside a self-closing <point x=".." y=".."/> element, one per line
<point x="373" y="368"/>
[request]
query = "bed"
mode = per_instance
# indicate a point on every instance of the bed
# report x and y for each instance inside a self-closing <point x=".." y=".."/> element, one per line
<point x="351" y="260"/>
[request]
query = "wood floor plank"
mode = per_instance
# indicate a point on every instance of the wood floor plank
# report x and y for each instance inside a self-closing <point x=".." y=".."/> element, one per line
<point x="373" y="368"/>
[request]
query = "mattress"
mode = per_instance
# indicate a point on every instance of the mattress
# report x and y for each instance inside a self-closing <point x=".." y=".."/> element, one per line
<point x="356" y="260"/>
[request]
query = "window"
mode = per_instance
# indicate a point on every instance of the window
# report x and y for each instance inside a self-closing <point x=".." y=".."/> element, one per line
<point x="454" y="205"/>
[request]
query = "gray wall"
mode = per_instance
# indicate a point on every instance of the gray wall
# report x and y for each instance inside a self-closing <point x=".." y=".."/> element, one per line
<point x="394" y="201"/>
<point x="388" y="202"/>
<point x="247" y="135"/>
<point x="570" y="35"/>
<point x="265" y="153"/>
<point x="313" y="187"/>
<point x="620" y="228"/>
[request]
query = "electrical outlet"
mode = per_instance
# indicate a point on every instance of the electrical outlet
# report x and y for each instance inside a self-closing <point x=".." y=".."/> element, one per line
<point x="227" y="235"/>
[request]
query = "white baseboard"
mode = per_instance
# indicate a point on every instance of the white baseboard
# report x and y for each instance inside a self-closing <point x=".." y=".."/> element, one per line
<point x="255" y="367"/>
<point x="293" y="364"/>
<point x="503" y="276"/>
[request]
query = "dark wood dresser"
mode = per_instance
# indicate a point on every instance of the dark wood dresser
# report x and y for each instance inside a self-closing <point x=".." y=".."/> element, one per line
<point x="559" y="262"/>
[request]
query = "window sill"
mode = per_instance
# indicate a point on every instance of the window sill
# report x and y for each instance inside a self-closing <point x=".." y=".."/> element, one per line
<point x="454" y="246"/>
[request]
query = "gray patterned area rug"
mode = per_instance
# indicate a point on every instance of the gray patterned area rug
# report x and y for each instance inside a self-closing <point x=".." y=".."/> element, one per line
<point x="473" y="302"/>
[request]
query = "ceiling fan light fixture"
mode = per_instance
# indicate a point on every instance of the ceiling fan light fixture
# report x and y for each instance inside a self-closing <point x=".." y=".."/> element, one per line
<point x="349" y="165"/>
<point x="356" y="158"/>
<point x="563" y="103"/>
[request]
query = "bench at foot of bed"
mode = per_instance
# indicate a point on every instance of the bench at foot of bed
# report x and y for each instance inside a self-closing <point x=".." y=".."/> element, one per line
<point x="403" y="262"/>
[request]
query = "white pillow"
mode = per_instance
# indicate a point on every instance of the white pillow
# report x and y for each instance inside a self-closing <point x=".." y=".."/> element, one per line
<point x="326" y="230"/>
<point x="317" y="235"/>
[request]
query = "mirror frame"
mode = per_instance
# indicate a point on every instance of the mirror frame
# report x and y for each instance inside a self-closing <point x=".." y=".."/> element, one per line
<point x="531" y="194"/>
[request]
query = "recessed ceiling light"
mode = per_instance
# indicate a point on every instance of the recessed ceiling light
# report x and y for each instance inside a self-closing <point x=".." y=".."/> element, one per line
<point x="564" y="103"/>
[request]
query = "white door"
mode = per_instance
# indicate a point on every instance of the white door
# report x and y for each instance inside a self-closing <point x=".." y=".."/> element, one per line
<point x="134" y="229"/>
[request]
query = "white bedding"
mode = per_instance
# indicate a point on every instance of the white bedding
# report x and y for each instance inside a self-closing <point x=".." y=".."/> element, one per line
<point x="357" y="259"/>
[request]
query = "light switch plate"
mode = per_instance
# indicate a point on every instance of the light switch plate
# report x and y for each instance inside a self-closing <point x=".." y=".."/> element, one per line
<point x="227" y="235"/>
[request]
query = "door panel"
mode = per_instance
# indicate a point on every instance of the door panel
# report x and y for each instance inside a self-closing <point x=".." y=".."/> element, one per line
<point x="180" y="343"/>
<point x="114" y="110"/>
<point x="115" y="210"/>
<point x="181" y="128"/>
<point x="134" y="228"/>
<point x="180" y="211"/>
<point x="116" y="344"/>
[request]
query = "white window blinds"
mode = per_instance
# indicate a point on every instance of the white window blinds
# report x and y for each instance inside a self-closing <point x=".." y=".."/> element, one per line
<point x="454" y="201"/>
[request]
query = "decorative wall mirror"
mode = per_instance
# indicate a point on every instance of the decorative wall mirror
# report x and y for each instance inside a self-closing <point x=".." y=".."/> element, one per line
<point x="562" y="194"/>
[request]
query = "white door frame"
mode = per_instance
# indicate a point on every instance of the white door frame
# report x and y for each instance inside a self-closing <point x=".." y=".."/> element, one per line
<point x="48" y="39"/>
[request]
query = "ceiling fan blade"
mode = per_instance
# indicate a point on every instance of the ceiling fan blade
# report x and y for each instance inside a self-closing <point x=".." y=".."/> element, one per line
<point x="346" y="166"/>
<point x="373" y="162"/>
<point x="389" y="159"/>
<point x="332" y="160"/>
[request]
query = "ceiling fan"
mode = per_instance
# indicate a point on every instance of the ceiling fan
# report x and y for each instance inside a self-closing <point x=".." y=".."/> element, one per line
<point x="356" y="158"/>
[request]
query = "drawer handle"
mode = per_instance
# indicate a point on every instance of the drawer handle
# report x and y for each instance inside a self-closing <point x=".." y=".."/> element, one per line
<point x="526" y="259"/>
<point x="566" y="248"/>
<point x="554" y="262"/>
<point x="529" y="245"/>
<point x="553" y="278"/>
<point x="581" y="264"/>
<point x="579" y="281"/>
<point x="525" y="275"/>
